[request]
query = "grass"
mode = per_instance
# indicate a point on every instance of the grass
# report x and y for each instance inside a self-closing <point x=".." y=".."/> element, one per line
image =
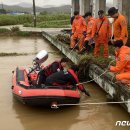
<point x="4" y="30"/>
<point x="101" y="61"/>
<point x="12" y="54"/>
<point x="23" y="33"/>
<point x="14" y="31"/>
<point x="59" y="20"/>
<point x="64" y="38"/>
<point x="50" y="24"/>
<point x="14" y="19"/>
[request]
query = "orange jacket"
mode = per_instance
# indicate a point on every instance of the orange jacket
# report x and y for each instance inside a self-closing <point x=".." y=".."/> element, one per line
<point x="120" y="28"/>
<point x="90" y="26"/>
<point x="122" y="60"/>
<point x="79" y="25"/>
<point x="105" y="30"/>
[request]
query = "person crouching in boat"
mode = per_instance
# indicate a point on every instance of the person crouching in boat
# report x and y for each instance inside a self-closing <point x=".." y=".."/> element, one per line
<point x="122" y="67"/>
<point x="65" y="78"/>
<point x="56" y="66"/>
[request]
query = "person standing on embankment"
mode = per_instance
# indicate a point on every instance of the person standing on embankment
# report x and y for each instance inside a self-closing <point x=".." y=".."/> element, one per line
<point x="119" y="24"/>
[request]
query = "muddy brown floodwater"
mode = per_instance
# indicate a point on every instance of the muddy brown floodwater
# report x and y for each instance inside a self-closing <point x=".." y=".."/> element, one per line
<point x="16" y="116"/>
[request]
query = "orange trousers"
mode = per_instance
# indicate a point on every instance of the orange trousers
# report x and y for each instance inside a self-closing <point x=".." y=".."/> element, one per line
<point x="97" y="49"/>
<point x="124" y="77"/>
<point x="80" y="38"/>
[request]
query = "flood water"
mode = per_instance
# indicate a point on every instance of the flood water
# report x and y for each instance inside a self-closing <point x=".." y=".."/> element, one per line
<point x="16" y="116"/>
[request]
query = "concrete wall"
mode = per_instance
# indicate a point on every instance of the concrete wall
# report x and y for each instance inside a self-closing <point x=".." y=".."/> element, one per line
<point x="102" y="4"/>
<point x="75" y="6"/>
<point x="84" y="6"/>
<point x="88" y="5"/>
<point x="62" y="47"/>
<point x="117" y="91"/>
<point x="98" y="5"/>
<point x="118" y="4"/>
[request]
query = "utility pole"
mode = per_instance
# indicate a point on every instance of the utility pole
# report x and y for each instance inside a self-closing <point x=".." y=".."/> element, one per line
<point x="2" y="5"/>
<point x="34" y="13"/>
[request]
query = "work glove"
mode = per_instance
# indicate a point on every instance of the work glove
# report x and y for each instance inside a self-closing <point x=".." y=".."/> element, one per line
<point x="86" y="92"/>
<point x="84" y="33"/>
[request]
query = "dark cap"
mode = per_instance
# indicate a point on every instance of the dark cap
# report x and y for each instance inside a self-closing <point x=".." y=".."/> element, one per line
<point x="76" y="12"/>
<point x="118" y="43"/>
<point x="64" y="60"/>
<point x="100" y="12"/>
<point x="87" y="14"/>
<point x="112" y="11"/>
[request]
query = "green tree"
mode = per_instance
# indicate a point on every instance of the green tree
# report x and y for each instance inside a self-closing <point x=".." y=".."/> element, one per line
<point x="2" y="11"/>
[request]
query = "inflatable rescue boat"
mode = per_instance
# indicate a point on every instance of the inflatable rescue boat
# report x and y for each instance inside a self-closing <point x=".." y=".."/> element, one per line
<point x="24" y="89"/>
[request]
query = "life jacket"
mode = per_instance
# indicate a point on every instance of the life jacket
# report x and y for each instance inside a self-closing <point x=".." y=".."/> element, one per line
<point x="76" y="78"/>
<point x="48" y="69"/>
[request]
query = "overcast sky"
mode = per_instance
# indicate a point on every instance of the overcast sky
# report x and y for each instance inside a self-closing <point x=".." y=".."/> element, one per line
<point x="38" y="2"/>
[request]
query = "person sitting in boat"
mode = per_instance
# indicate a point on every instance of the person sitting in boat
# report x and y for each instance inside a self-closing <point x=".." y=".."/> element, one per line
<point x="122" y="68"/>
<point x="56" y="66"/>
<point x="63" y="78"/>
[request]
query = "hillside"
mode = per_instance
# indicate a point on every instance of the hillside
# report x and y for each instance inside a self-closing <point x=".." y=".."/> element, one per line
<point x="19" y="8"/>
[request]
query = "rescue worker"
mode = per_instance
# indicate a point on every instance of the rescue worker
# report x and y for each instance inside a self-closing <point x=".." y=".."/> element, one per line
<point x="65" y="78"/>
<point x="56" y="66"/>
<point x="119" y="25"/>
<point x="101" y="34"/>
<point x="78" y="31"/>
<point x="122" y="68"/>
<point x="90" y="24"/>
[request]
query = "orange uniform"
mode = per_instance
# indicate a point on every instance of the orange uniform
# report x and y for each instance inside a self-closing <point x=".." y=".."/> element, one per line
<point x="122" y="64"/>
<point x="120" y="29"/>
<point x="78" y="27"/>
<point x="103" y="35"/>
<point x="90" y="26"/>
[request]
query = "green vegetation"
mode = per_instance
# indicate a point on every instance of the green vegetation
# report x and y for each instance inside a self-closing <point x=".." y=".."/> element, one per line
<point x="101" y="61"/>
<point x="14" y="31"/>
<point x="2" y="11"/>
<point x="64" y="38"/>
<point x="4" y="30"/>
<point x="23" y="33"/>
<point x="51" y="21"/>
<point x="50" y="24"/>
<point x="12" y="54"/>
<point x="15" y="19"/>
<point x="46" y="20"/>
<point x="52" y="17"/>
